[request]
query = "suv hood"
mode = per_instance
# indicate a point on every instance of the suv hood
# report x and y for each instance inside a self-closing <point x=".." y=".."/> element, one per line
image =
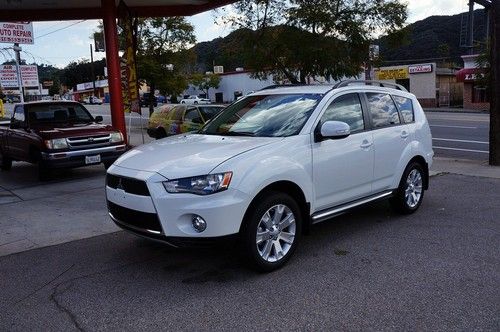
<point x="188" y="155"/>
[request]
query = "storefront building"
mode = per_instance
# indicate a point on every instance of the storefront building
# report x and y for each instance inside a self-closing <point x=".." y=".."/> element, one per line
<point x="433" y="86"/>
<point x="475" y="94"/>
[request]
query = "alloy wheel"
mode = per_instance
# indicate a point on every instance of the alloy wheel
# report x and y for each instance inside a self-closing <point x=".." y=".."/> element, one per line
<point x="413" y="191"/>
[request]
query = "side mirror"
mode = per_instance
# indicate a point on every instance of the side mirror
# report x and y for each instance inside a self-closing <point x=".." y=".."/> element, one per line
<point x="333" y="130"/>
<point x="98" y="119"/>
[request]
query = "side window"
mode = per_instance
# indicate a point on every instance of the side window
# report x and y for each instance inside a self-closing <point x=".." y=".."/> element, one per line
<point x="346" y="108"/>
<point x="19" y="114"/>
<point x="382" y="109"/>
<point x="176" y="113"/>
<point x="193" y="116"/>
<point x="405" y="106"/>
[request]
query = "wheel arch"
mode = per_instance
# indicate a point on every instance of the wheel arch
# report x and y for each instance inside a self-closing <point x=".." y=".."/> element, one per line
<point x="289" y="188"/>
<point x="421" y="160"/>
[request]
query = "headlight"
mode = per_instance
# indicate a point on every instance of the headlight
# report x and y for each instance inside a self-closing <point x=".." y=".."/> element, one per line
<point x="199" y="185"/>
<point x="57" y="143"/>
<point x="115" y="137"/>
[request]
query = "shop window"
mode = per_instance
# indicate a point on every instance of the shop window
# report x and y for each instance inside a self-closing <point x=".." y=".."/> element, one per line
<point x="480" y="94"/>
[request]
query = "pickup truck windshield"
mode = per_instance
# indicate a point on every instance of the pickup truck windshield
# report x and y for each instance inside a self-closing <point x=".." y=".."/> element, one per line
<point x="60" y="113"/>
<point x="273" y="115"/>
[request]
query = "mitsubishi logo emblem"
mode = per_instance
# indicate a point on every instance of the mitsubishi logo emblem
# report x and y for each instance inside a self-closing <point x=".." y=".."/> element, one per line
<point x="90" y="139"/>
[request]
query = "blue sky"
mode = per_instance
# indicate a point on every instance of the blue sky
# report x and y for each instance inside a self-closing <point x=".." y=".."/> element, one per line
<point x="71" y="43"/>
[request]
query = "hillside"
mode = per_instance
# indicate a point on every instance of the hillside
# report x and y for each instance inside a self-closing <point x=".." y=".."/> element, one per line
<point x="433" y="37"/>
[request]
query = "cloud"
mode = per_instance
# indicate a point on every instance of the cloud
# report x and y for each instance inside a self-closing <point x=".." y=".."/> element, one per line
<point x="420" y="9"/>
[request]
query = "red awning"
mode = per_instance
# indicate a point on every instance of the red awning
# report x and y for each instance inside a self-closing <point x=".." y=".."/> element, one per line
<point x="469" y="74"/>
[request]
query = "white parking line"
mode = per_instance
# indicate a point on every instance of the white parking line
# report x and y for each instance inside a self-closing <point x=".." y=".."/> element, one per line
<point x="460" y="127"/>
<point x="456" y="149"/>
<point x="458" y="140"/>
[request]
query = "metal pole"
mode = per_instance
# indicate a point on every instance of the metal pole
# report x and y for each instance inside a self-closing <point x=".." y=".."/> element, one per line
<point x="18" y="50"/>
<point x="92" y="69"/>
<point x="471" y="27"/>
<point x="113" y="64"/>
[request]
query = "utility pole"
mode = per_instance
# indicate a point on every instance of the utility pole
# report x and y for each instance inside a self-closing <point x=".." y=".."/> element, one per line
<point x="494" y="12"/>
<point x="92" y="71"/>
<point x="17" y="49"/>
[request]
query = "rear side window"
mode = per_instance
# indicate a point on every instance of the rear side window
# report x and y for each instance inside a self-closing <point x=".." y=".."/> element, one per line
<point x="193" y="116"/>
<point x="382" y="110"/>
<point x="19" y="114"/>
<point x="209" y="112"/>
<point x="405" y="106"/>
<point x="346" y="108"/>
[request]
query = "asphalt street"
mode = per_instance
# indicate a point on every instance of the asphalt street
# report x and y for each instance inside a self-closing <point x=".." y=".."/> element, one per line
<point x="438" y="269"/>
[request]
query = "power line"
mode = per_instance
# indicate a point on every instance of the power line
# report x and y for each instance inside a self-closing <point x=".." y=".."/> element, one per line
<point x="65" y="27"/>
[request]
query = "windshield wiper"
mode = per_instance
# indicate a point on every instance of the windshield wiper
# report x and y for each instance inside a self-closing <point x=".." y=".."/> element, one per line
<point x="238" y="133"/>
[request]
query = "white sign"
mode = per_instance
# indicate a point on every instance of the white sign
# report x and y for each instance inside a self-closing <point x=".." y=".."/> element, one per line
<point x="418" y="69"/>
<point x="29" y="76"/>
<point x="16" y="32"/>
<point x="8" y="76"/>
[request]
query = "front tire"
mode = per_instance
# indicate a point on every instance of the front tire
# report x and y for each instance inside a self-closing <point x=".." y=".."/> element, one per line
<point x="5" y="162"/>
<point x="410" y="193"/>
<point x="272" y="231"/>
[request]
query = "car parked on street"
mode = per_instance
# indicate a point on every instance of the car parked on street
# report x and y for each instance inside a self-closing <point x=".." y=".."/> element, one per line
<point x="170" y="120"/>
<point x="272" y="164"/>
<point x="57" y="134"/>
<point x="91" y="100"/>
<point x="194" y="100"/>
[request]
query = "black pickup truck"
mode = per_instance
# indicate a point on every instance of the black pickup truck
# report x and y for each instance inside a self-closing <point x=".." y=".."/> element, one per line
<point x="57" y="134"/>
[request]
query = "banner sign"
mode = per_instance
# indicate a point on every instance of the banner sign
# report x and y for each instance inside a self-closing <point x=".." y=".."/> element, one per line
<point x="29" y="76"/>
<point x="418" y="69"/>
<point x="8" y="76"/>
<point x="128" y="69"/>
<point x="391" y="74"/>
<point x="16" y="32"/>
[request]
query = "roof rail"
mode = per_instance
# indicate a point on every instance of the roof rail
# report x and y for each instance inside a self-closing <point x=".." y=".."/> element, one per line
<point x="275" y="86"/>
<point x="342" y="84"/>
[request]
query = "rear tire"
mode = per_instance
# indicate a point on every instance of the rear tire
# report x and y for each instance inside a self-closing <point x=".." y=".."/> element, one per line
<point x="160" y="133"/>
<point x="410" y="193"/>
<point x="5" y="162"/>
<point x="271" y="231"/>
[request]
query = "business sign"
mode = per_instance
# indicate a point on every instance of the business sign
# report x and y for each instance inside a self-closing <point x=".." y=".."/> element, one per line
<point x="391" y="74"/>
<point x="8" y="76"/>
<point x="16" y="32"/>
<point x="419" y="69"/>
<point x="29" y="76"/>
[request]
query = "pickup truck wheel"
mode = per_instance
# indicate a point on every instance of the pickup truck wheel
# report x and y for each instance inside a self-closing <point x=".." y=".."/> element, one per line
<point x="410" y="193"/>
<point x="5" y="162"/>
<point x="44" y="173"/>
<point x="272" y="231"/>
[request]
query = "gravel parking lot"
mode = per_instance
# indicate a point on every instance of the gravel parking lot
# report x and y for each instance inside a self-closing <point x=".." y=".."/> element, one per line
<point x="438" y="269"/>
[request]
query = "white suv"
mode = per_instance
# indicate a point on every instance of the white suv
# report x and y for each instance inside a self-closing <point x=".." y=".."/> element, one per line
<point x="273" y="163"/>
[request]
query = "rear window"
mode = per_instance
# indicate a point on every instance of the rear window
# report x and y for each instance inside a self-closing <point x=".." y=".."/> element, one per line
<point x="58" y="113"/>
<point x="405" y="106"/>
<point x="382" y="110"/>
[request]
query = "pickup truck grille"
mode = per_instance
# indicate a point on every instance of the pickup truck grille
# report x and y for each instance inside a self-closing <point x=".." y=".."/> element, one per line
<point x="131" y="186"/>
<point x="88" y="142"/>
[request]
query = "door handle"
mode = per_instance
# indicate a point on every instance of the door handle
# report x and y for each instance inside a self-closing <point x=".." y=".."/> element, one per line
<point x="365" y="144"/>
<point x="404" y="134"/>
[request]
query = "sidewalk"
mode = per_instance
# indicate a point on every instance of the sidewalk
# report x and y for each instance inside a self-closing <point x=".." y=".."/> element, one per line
<point x="464" y="167"/>
<point x="454" y="110"/>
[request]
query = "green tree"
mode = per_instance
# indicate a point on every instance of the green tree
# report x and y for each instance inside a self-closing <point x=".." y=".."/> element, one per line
<point x="161" y="42"/>
<point x="205" y="82"/>
<point x="297" y="39"/>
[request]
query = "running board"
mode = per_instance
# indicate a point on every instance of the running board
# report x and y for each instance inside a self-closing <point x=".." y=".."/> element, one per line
<point x="335" y="211"/>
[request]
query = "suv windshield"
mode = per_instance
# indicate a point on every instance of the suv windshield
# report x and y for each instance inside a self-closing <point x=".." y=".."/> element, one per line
<point x="273" y="115"/>
<point x="61" y="113"/>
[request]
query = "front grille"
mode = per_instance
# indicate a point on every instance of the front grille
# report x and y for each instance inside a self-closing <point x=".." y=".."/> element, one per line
<point x="89" y="141"/>
<point x="135" y="219"/>
<point x="129" y="185"/>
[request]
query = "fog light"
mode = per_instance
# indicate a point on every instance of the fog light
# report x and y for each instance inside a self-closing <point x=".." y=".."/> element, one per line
<point x="199" y="224"/>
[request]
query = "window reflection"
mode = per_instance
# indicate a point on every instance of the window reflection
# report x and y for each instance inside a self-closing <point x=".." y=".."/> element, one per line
<point x="346" y="108"/>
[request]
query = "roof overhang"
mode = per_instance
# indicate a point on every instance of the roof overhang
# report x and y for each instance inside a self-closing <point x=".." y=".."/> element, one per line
<point x="55" y="10"/>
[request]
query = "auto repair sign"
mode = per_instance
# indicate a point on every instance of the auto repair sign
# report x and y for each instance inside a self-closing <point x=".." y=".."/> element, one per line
<point x="29" y="76"/>
<point x="16" y="32"/>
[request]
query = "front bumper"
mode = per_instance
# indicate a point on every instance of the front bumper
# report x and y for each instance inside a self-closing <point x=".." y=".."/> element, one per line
<point x="168" y="217"/>
<point x="76" y="158"/>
